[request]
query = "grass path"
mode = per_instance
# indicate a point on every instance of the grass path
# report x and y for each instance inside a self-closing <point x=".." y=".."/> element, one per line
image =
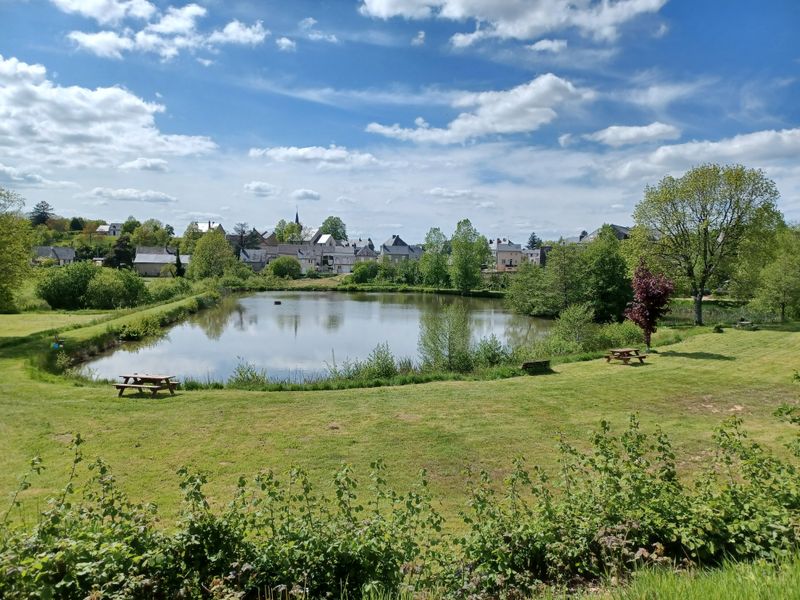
<point x="687" y="389"/>
<point x="28" y="323"/>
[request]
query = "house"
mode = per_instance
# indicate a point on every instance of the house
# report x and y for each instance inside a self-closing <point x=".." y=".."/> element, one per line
<point x="621" y="232"/>
<point x="506" y="254"/>
<point x="337" y="257"/>
<point x="256" y="258"/>
<point x="309" y="255"/>
<point x="365" y="250"/>
<point x="60" y="254"/>
<point x="535" y="256"/>
<point x="205" y="227"/>
<point x="396" y="250"/>
<point x="110" y="229"/>
<point x="150" y="265"/>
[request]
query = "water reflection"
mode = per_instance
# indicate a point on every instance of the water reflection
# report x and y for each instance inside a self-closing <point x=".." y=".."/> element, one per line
<point x="294" y="339"/>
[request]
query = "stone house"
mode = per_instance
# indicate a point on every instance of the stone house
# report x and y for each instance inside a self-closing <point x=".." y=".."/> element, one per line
<point x="60" y="254"/>
<point x="506" y="254"/>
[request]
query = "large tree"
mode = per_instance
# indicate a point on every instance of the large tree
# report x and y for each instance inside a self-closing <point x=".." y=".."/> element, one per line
<point x="433" y="264"/>
<point x="779" y="281"/>
<point x="533" y="241"/>
<point x="335" y="227"/>
<point x="130" y="225"/>
<point x="246" y="237"/>
<point x="150" y="233"/>
<point x="122" y="253"/>
<point x="41" y="213"/>
<point x="698" y="221"/>
<point x="608" y="287"/>
<point x="190" y="237"/>
<point x="470" y="251"/>
<point x="14" y="247"/>
<point x="212" y="256"/>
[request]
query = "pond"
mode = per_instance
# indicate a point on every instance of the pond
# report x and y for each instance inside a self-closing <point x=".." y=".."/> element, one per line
<point x="295" y="335"/>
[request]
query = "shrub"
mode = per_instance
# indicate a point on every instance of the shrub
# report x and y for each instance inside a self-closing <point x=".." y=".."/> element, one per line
<point x="64" y="287"/>
<point x="380" y="363"/>
<point x="247" y="376"/>
<point x="286" y="267"/>
<point x="111" y="288"/>
<point x="162" y="290"/>
<point x="489" y="352"/>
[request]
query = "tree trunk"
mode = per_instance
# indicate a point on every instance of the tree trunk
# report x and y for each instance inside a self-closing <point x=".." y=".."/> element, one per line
<point x="783" y="312"/>
<point x="698" y="308"/>
<point x="647" y="336"/>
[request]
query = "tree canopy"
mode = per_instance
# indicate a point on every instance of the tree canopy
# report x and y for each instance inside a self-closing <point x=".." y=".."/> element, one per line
<point x="698" y="221"/>
<point x="212" y="256"/>
<point x="335" y="227"/>
<point x="15" y="247"/>
<point x="433" y="264"/>
<point x="41" y="213"/>
<point x="470" y="251"/>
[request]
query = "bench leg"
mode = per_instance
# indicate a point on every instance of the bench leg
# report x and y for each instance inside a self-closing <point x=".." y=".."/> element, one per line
<point x="120" y="392"/>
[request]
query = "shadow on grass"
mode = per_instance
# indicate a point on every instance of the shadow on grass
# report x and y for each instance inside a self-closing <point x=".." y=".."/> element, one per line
<point x="698" y="355"/>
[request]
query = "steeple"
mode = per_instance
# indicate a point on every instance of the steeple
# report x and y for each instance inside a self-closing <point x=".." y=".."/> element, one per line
<point x="296" y="216"/>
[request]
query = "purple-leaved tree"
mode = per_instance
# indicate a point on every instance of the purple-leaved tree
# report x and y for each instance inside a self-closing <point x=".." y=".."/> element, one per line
<point x="651" y="292"/>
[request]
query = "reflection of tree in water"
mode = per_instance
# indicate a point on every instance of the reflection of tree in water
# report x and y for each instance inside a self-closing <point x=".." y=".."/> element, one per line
<point x="285" y="321"/>
<point x="522" y="329"/>
<point x="334" y="321"/>
<point x="214" y="321"/>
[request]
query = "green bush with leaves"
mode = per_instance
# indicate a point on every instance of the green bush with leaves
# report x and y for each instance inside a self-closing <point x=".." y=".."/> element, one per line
<point x="365" y="272"/>
<point x="65" y="287"/>
<point x="162" y="290"/>
<point x="286" y="267"/>
<point x="111" y="288"/>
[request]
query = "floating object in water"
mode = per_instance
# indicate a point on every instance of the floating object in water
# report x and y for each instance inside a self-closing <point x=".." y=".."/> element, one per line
<point x="277" y="301"/>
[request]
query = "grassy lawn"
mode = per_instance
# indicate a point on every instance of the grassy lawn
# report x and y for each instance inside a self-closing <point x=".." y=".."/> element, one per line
<point x="25" y="324"/>
<point x="687" y="389"/>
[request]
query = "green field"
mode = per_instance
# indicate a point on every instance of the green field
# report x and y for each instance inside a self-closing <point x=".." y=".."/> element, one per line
<point x="28" y="323"/>
<point x="687" y="389"/>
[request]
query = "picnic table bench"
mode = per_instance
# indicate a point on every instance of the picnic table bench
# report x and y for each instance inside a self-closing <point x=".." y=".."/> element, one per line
<point x="625" y="355"/>
<point x="144" y="382"/>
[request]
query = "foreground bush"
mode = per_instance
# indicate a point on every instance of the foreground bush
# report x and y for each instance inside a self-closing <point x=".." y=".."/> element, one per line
<point x="111" y="288"/>
<point x="86" y="285"/>
<point x="64" y="287"/>
<point x="611" y="510"/>
<point x="285" y="267"/>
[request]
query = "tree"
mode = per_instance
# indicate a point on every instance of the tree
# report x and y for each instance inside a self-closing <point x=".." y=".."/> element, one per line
<point x="698" y="221"/>
<point x="470" y="251"/>
<point x="533" y="241"/>
<point x="211" y="257"/>
<point x="335" y="227"/>
<point x="130" y="225"/>
<point x="651" y="293"/>
<point x="433" y="264"/>
<point x="190" y="237"/>
<point x="122" y="253"/>
<point x="444" y="338"/>
<point x="180" y="270"/>
<point x="608" y="289"/>
<point x="246" y="237"/>
<point x="280" y="230"/>
<point x="779" y="281"/>
<point x="76" y="224"/>
<point x="293" y="233"/>
<point x="41" y="213"/>
<point x="150" y="233"/>
<point x="286" y="266"/>
<point x="15" y="247"/>
<point x="565" y="277"/>
<point x="364" y="272"/>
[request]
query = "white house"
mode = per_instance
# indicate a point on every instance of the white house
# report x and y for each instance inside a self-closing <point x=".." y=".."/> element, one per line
<point x="110" y="229"/>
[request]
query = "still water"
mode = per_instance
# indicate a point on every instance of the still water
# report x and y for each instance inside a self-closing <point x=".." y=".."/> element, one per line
<point x="297" y="338"/>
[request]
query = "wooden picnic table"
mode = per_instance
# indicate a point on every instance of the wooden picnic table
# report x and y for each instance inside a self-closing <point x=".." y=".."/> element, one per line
<point x="145" y="382"/>
<point x="626" y="355"/>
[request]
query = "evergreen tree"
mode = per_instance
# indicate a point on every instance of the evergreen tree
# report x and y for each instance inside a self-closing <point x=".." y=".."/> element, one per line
<point x="534" y="242"/>
<point x="122" y="253"/>
<point x="41" y="213"/>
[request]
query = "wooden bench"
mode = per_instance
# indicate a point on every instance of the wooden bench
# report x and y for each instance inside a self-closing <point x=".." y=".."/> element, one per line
<point x="141" y="387"/>
<point x="536" y="367"/>
<point x="626" y="359"/>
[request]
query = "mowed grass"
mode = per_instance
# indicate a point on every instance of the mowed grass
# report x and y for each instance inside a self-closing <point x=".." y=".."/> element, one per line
<point x="687" y="389"/>
<point x="25" y="324"/>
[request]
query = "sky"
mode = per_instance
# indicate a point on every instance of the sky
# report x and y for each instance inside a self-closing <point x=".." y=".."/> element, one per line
<point x="396" y="115"/>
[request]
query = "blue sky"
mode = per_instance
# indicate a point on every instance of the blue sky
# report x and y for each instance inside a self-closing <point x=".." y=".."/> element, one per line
<point x="398" y="115"/>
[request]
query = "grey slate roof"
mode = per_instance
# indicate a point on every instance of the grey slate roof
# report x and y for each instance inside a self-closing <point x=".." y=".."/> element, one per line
<point x="54" y="252"/>
<point x="160" y="259"/>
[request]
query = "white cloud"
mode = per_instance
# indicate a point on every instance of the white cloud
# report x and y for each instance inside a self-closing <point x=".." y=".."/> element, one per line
<point x="659" y="95"/>
<point x="330" y="157"/>
<point x="303" y="194"/>
<point x="146" y="164"/>
<point x="451" y="195"/>
<point x="130" y="195"/>
<point x="522" y="109"/>
<point x="106" y="44"/>
<point x="262" y="188"/>
<point x="107" y="11"/>
<point x="284" y="44"/>
<point x="307" y="23"/>
<point x="621" y="135"/>
<point x="565" y="140"/>
<point x="318" y="36"/>
<point x="419" y="39"/>
<point x="237" y="32"/>
<point x="760" y="148"/>
<point x="553" y="46"/>
<point x="41" y="122"/>
<point x="178" y="21"/>
<point x="206" y="62"/>
<point x="519" y="19"/>
<point x="22" y="177"/>
<point x="346" y="200"/>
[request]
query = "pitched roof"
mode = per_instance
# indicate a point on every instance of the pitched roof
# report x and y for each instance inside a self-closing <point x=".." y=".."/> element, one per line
<point x="254" y="255"/>
<point x="620" y="231"/>
<point x="54" y="252"/>
<point x="160" y="259"/>
<point x="395" y="240"/>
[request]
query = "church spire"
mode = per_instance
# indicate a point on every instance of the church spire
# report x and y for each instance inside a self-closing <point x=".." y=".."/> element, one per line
<point x="296" y="216"/>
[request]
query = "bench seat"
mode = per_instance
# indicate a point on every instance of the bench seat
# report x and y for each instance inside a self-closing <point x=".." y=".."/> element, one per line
<point x="141" y="387"/>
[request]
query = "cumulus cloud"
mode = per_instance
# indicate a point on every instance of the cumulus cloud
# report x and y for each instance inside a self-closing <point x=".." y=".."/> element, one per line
<point x="171" y="33"/>
<point x="23" y="177"/>
<point x="757" y="149"/>
<point x="419" y="39"/>
<point x="553" y="46"/>
<point x="107" y="11"/>
<point x="42" y="122"/>
<point x="146" y="164"/>
<point x="519" y="19"/>
<point x="131" y="195"/>
<point x="303" y="194"/>
<point x="284" y="44"/>
<point x="262" y="188"/>
<point x="330" y="157"/>
<point x="307" y="28"/>
<point x="522" y="109"/>
<point x="237" y="32"/>
<point x="621" y="135"/>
